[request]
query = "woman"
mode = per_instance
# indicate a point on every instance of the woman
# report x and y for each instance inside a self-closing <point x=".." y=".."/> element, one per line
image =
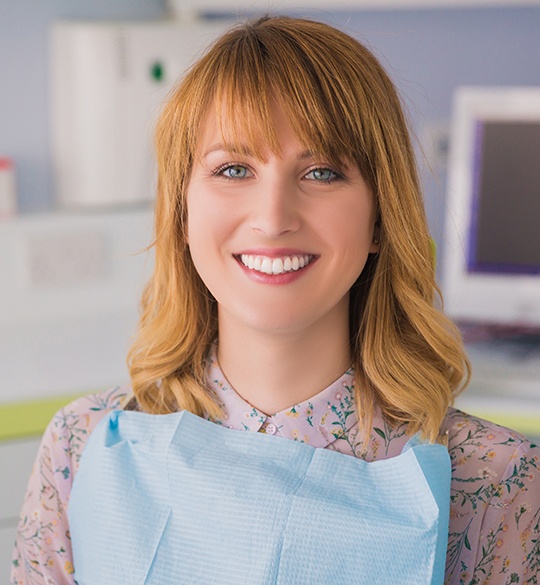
<point x="293" y="295"/>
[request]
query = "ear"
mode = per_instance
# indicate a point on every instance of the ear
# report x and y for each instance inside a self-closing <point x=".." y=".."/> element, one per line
<point x="375" y="241"/>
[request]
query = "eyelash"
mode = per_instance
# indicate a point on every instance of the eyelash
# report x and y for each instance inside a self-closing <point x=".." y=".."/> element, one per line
<point x="219" y="172"/>
<point x="337" y="175"/>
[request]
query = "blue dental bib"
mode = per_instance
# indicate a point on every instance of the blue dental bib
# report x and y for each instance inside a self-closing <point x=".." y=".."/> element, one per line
<point x="175" y="499"/>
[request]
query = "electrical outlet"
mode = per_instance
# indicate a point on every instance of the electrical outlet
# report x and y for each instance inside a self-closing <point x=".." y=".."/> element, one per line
<point x="66" y="258"/>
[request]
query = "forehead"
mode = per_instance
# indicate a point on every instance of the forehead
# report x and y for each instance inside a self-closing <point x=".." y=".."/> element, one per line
<point x="270" y="131"/>
<point x="236" y="130"/>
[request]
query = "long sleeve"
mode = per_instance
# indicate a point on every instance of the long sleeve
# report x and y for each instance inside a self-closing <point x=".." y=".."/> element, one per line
<point x="494" y="532"/>
<point x="42" y="554"/>
<point x="510" y="532"/>
<point x="43" y="549"/>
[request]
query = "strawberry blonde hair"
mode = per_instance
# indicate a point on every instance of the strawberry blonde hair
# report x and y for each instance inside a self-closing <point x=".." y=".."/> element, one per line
<point x="407" y="356"/>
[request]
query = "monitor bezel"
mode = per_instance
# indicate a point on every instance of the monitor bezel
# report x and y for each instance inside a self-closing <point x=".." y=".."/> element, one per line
<point x="477" y="296"/>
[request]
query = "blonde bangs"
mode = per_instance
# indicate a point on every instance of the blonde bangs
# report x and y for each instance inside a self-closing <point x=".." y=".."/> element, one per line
<point x="256" y="70"/>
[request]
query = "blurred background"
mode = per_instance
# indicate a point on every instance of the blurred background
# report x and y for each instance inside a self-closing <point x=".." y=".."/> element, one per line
<point x="80" y="85"/>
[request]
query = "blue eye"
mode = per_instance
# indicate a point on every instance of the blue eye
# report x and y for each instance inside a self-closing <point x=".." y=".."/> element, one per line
<point x="322" y="175"/>
<point x="234" y="172"/>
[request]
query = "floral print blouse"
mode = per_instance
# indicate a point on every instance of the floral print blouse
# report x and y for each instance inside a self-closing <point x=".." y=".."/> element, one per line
<point x="494" y="534"/>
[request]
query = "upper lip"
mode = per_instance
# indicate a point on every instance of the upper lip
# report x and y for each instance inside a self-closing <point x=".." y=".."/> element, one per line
<point x="275" y="252"/>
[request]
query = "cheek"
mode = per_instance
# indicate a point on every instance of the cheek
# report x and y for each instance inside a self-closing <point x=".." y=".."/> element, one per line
<point x="207" y="229"/>
<point x="348" y="232"/>
<point x="199" y="215"/>
<point x="350" y="225"/>
<point x="196" y="232"/>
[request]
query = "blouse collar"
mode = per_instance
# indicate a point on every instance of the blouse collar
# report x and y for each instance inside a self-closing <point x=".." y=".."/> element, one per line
<point x="318" y="421"/>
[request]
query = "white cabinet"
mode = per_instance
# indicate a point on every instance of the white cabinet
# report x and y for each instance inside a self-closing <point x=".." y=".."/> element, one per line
<point x="108" y="82"/>
<point x="64" y="330"/>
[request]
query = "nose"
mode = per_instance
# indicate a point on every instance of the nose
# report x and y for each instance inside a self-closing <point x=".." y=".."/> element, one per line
<point x="276" y="210"/>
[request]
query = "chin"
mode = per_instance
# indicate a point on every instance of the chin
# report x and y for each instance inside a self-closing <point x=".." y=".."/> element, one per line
<point x="276" y="321"/>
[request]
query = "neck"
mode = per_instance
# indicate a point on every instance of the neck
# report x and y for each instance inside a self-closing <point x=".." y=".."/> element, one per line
<point x="276" y="371"/>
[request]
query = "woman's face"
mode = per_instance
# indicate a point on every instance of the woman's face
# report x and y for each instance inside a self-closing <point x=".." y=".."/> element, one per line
<point x="278" y="242"/>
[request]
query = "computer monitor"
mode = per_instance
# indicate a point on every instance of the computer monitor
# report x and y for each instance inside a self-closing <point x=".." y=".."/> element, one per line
<point x="491" y="269"/>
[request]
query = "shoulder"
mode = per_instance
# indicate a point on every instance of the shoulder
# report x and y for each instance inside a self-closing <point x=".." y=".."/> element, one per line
<point x="482" y="450"/>
<point x="460" y="424"/>
<point x="94" y="405"/>
<point x="471" y="437"/>
<point x="91" y="408"/>
<point x="70" y="428"/>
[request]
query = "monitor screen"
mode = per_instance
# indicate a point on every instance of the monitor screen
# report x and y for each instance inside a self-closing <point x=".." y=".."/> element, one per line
<point x="504" y="234"/>
<point x="491" y="269"/>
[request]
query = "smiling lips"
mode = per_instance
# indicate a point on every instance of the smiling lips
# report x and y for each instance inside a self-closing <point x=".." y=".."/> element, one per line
<point x="281" y="265"/>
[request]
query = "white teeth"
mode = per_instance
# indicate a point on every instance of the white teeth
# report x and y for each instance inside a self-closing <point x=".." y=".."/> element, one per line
<point x="268" y="265"/>
<point x="277" y="266"/>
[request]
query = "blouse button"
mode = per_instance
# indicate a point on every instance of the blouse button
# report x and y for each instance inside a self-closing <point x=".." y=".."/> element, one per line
<point x="271" y="429"/>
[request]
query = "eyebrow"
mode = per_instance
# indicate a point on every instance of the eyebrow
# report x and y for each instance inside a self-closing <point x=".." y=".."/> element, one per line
<point x="220" y="146"/>
<point x="246" y="151"/>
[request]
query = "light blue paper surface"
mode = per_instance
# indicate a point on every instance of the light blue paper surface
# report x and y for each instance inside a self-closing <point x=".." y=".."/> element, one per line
<point x="169" y="499"/>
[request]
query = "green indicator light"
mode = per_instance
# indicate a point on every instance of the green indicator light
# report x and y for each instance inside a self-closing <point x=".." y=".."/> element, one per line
<point x="157" y="71"/>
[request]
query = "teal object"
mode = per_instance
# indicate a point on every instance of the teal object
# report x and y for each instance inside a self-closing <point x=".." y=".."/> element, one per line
<point x="168" y="499"/>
